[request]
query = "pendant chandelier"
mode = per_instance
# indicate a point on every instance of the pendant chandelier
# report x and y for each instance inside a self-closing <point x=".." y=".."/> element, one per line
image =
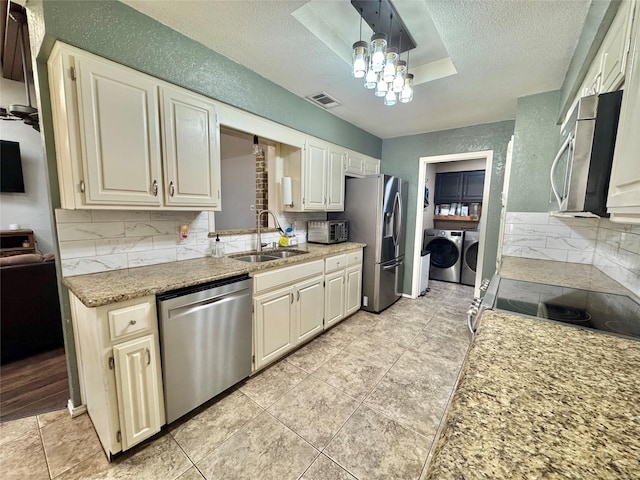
<point x="378" y="62"/>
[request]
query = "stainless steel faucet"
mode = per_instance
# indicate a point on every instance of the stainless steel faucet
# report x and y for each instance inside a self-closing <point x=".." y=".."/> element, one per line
<point x="275" y="219"/>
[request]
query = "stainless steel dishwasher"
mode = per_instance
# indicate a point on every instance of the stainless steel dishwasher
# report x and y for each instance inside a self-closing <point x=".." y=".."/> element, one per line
<point x="205" y="341"/>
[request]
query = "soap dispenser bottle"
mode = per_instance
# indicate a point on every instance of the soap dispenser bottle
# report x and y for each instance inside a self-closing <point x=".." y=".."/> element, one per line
<point x="218" y="247"/>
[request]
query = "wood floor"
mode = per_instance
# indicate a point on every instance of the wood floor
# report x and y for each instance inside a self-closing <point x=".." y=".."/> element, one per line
<point x="33" y="385"/>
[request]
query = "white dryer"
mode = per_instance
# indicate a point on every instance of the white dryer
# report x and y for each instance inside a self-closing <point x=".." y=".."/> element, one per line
<point x="446" y="253"/>
<point x="470" y="258"/>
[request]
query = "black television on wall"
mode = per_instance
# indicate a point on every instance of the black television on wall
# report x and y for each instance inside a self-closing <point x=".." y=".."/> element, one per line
<point x="11" y="179"/>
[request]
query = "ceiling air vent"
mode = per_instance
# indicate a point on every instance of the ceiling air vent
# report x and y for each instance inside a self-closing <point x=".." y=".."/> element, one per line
<point x="323" y="100"/>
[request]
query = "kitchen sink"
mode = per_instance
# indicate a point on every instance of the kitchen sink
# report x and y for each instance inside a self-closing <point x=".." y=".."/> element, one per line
<point x="286" y="253"/>
<point x="267" y="256"/>
<point x="256" y="258"/>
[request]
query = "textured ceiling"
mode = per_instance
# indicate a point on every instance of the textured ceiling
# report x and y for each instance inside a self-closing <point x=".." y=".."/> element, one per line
<point x="501" y="50"/>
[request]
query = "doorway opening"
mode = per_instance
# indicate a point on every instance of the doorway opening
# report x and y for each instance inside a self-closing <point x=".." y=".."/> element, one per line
<point x="424" y="209"/>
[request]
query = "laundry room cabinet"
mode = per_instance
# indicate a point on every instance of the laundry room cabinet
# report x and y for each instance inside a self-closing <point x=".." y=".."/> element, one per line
<point x="458" y="187"/>
<point x="448" y="187"/>
<point x="128" y="140"/>
<point x="472" y="186"/>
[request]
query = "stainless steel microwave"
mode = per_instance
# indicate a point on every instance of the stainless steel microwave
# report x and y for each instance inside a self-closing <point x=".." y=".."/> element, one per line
<point x="581" y="171"/>
<point x="327" y="231"/>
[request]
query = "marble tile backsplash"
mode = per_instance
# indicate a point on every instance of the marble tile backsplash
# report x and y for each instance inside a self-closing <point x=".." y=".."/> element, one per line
<point x="99" y="240"/>
<point x="539" y="235"/>
<point x="618" y="253"/>
<point x="613" y="248"/>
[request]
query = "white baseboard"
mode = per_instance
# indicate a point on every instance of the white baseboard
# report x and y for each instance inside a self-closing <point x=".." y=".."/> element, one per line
<point x="75" y="411"/>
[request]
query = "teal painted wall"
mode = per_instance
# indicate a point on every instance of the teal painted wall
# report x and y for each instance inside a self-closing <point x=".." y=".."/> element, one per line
<point x="120" y="33"/>
<point x="536" y="142"/>
<point x="400" y="157"/>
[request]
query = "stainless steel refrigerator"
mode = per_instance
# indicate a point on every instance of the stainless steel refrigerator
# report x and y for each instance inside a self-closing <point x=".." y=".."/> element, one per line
<point x="375" y="208"/>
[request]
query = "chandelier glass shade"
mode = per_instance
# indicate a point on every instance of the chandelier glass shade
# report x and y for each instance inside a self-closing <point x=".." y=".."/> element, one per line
<point x="406" y="95"/>
<point x="382" y="69"/>
<point x="360" y="57"/>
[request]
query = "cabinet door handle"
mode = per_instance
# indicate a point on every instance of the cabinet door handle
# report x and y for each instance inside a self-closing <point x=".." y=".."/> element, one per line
<point x="291" y="298"/>
<point x="155" y="188"/>
<point x="148" y="356"/>
<point x="82" y="188"/>
<point x="172" y="189"/>
<point x="132" y="322"/>
<point x="298" y="299"/>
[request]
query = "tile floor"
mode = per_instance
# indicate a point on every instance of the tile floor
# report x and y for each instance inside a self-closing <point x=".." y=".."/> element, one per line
<point x="362" y="401"/>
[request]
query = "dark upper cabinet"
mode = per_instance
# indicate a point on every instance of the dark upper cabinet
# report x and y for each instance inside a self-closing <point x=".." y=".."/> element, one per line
<point x="448" y="187"/>
<point x="472" y="186"/>
<point x="462" y="187"/>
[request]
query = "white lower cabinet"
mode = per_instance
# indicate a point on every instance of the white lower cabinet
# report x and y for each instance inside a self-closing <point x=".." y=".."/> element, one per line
<point x="119" y="364"/>
<point x="334" y="297"/>
<point x="310" y="314"/>
<point x="343" y="286"/>
<point x="293" y="304"/>
<point x="286" y="312"/>
<point x="137" y="389"/>
<point x="274" y="319"/>
<point x="353" y="289"/>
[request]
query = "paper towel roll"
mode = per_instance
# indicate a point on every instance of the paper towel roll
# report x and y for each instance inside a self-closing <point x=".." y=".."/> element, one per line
<point x="286" y="191"/>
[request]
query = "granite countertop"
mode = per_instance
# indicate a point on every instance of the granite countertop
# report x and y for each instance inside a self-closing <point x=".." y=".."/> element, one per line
<point x="538" y="399"/>
<point x="103" y="288"/>
<point x="575" y="275"/>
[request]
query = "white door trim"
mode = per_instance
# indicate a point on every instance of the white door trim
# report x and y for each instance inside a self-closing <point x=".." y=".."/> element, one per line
<point x="487" y="155"/>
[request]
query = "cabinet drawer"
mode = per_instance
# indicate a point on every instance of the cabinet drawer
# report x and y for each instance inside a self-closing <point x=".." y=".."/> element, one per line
<point x="335" y="262"/>
<point x="354" y="258"/>
<point x="286" y="275"/>
<point x="128" y="321"/>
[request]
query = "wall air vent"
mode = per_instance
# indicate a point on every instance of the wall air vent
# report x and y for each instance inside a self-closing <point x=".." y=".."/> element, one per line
<point x="323" y="100"/>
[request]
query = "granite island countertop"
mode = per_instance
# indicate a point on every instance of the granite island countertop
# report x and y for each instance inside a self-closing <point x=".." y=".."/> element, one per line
<point x="574" y="275"/>
<point x="538" y="399"/>
<point x="96" y="289"/>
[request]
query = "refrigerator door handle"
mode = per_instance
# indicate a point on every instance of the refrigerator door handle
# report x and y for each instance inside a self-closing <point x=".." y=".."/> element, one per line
<point x="397" y="218"/>
<point x="391" y="267"/>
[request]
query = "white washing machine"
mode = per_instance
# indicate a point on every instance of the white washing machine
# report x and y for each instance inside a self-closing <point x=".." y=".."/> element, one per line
<point x="446" y="253"/>
<point x="470" y="258"/>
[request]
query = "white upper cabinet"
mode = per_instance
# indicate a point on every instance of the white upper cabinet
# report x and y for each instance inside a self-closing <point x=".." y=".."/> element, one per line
<point x="371" y="166"/>
<point x="107" y="126"/>
<point x="359" y="165"/>
<point x="608" y="68"/>
<point x="120" y="133"/>
<point x="315" y="176"/>
<point x="191" y="149"/>
<point x="335" y="180"/>
<point x="624" y="189"/>
<point x="355" y="164"/>
<point x="615" y="48"/>
<point x="592" y="81"/>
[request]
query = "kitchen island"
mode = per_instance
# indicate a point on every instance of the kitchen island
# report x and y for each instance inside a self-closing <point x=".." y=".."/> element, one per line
<point x="540" y="399"/>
